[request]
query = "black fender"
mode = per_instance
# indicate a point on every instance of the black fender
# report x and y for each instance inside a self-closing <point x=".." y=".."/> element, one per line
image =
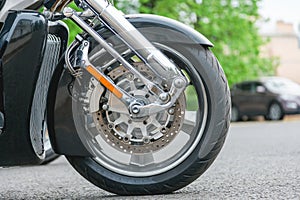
<point x="24" y="79"/>
<point x="61" y="127"/>
<point x="174" y="30"/>
<point x="22" y="43"/>
<point x="62" y="131"/>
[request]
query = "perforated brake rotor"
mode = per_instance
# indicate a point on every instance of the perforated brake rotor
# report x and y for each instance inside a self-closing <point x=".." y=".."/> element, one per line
<point x="137" y="135"/>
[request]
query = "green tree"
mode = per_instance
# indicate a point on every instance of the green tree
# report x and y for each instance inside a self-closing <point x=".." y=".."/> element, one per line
<point x="229" y="24"/>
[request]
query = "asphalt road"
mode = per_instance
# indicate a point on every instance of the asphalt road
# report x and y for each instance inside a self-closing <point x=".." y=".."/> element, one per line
<point x="260" y="160"/>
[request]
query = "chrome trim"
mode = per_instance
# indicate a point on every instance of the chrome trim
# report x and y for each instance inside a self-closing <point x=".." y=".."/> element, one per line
<point x="68" y="12"/>
<point x="37" y="116"/>
<point x="2" y="119"/>
<point x="154" y="59"/>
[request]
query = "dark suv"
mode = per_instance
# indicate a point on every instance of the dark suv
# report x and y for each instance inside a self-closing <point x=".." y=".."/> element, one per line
<point x="272" y="97"/>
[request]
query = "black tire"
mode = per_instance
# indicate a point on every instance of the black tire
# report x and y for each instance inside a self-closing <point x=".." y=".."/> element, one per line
<point x="275" y="112"/>
<point x="215" y="128"/>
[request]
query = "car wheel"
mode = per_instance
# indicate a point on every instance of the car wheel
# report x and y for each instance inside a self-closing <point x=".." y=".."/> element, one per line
<point x="275" y="112"/>
<point x="235" y="114"/>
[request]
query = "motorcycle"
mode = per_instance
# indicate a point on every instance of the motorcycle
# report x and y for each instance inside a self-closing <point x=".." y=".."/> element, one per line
<point x="138" y="104"/>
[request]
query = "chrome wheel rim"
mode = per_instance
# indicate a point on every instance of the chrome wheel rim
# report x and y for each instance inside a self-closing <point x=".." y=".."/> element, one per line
<point x="159" y="143"/>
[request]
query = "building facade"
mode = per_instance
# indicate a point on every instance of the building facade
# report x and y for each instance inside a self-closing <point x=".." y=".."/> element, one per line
<point x="284" y="44"/>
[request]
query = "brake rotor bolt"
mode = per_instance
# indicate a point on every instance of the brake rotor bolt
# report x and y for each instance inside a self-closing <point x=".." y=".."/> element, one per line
<point x="105" y="107"/>
<point x="146" y="140"/>
<point x="126" y="138"/>
<point x="171" y="111"/>
<point x="163" y="130"/>
<point x="110" y="126"/>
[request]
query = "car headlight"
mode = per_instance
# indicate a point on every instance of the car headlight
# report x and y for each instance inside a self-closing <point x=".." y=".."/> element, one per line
<point x="290" y="101"/>
<point x="292" y="105"/>
<point x="287" y="97"/>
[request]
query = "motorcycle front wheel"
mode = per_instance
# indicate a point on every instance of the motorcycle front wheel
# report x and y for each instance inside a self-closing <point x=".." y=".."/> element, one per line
<point x="160" y="153"/>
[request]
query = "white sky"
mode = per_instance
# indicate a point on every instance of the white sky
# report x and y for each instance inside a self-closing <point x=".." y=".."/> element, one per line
<point x="286" y="10"/>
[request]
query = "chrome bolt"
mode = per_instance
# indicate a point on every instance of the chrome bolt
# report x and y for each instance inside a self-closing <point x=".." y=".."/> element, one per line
<point x="130" y="77"/>
<point x="111" y="126"/>
<point x="179" y="82"/>
<point x="105" y="107"/>
<point x="85" y="43"/>
<point x="146" y="140"/>
<point x="163" y="130"/>
<point x="171" y="111"/>
<point x="135" y="109"/>
<point x="127" y="138"/>
<point x="164" y="96"/>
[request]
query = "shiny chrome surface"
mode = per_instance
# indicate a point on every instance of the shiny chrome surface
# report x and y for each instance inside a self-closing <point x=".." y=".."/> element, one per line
<point x="70" y="13"/>
<point x="134" y="106"/>
<point x="37" y="117"/>
<point x="156" y="61"/>
<point x="137" y="146"/>
<point x="161" y="66"/>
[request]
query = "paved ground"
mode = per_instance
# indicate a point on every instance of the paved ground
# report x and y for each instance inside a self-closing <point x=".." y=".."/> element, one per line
<point x="260" y="160"/>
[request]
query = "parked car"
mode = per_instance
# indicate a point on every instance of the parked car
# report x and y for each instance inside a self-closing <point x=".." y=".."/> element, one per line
<point x="271" y="97"/>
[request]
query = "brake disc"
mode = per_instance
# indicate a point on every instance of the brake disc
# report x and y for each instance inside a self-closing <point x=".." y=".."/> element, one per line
<point x="137" y="135"/>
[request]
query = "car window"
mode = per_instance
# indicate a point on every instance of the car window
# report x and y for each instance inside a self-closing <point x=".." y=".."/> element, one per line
<point x="246" y="87"/>
<point x="259" y="87"/>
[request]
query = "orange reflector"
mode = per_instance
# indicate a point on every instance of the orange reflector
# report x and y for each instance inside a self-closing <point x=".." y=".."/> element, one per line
<point x="95" y="73"/>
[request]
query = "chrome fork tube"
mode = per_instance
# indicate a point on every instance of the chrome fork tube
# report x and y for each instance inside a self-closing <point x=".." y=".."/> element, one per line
<point x="68" y="12"/>
<point x="157" y="61"/>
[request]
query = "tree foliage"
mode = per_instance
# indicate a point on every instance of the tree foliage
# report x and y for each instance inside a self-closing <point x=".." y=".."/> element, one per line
<point x="229" y="24"/>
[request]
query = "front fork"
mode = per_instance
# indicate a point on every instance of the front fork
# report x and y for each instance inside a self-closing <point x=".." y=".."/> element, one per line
<point x="153" y="58"/>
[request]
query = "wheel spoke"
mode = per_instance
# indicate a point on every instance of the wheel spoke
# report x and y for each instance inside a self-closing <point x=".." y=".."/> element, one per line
<point x="119" y="120"/>
<point x="142" y="159"/>
<point x="129" y="129"/>
<point x="189" y="122"/>
<point x="144" y="130"/>
<point x="154" y="122"/>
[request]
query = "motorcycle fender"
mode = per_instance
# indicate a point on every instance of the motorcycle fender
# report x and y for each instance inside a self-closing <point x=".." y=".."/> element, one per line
<point x="175" y="31"/>
<point x="62" y="131"/>
<point x="22" y="42"/>
<point x="61" y="127"/>
<point x="30" y="47"/>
